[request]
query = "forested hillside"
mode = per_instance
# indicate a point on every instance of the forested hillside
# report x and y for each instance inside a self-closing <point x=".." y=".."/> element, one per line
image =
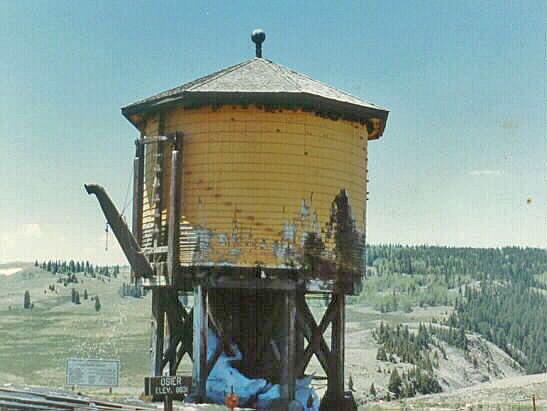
<point x="498" y="293"/>
<point x="508" y="263"/>
<point x="514" y="317"/>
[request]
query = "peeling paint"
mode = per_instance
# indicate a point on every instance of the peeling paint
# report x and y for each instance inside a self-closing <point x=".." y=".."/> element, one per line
<point x="289" y="232"/>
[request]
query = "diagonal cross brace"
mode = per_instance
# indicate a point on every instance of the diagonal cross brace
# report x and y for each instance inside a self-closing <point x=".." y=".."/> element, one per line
<point x="314" y="334"/>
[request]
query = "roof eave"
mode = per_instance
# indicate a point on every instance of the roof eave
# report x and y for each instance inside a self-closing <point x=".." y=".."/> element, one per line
<point x="306" y="101"/>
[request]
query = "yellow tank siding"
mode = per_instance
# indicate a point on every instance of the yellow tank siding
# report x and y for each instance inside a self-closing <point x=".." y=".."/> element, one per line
<point x="275" y="189"/>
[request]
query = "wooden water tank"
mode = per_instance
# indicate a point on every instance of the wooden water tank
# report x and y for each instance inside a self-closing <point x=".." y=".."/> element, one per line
<point x="273" y="171"/>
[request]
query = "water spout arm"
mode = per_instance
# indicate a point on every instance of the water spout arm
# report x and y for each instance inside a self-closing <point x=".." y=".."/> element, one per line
<point x="139" y="263"/>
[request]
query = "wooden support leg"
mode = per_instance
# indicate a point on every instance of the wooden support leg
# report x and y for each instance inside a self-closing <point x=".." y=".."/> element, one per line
<point x="158" y="323"/>
<point x="200" y="342"/>
<point x="336" y="360"/>
<point x="173" y="223"/>
<point x="288" y="354"/>
<point x="173" y="311"/>
<point x="299" y="339"/>
<point x="138" y="167"/>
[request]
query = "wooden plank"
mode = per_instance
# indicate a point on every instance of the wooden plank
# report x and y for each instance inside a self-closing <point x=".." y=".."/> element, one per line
<point x="161" y="138"/>
<point x="174" y="218"/>
<point x="251" y="283"/>
<point x="158" y="323"/>
<point x="154" y="139"/>
<point x="200" y="341"/>
<point x="155" y="250"/>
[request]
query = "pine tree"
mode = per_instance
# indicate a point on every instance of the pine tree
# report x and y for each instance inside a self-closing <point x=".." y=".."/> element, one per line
<point x="381" y="354"/>
<point x="85" y="294"/>
<point x="372" y="390"/>
<point x="26" y="300"/>
<point x="97" y="304"/>
<point x="394" y="384"/>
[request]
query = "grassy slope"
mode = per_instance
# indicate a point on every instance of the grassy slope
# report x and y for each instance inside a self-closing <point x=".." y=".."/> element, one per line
<point x="37" y="342"/>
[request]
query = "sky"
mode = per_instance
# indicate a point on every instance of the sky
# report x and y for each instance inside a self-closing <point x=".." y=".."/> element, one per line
<point x="461" y="163"/>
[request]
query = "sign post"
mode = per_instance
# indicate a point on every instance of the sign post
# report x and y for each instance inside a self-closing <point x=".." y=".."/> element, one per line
<point x="168" y="387"/>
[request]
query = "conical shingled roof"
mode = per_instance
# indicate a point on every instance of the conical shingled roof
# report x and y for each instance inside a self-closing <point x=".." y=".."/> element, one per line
<point x="263" y="82"/>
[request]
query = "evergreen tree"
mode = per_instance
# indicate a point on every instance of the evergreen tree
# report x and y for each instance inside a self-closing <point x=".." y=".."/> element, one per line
<point x="97" y="304"/>
<point x="85" y="294"/>
<point x="26" y="300"/>
<point x="372" y="390"/>
<point x="394" y="384"/>
<point x="381" y="354"/>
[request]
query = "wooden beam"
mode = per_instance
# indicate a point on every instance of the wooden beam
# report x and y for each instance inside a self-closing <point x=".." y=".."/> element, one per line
<point x="288" y="375"/>
<point x="336" y="363"/>
<point x="299" y="340"/>
<point x="275" y="350"/>
<point x="157" y="196"/>
<point x="176" y="323"/>
<point x="250" y="283"/>
<point x="199" y="375"/>
<point x="155" y="139"/>
<point x="188" y="341"/>
<point x="158" y="323"/>
<point x="306" y="327"/>
<point x="317" y="344"/>
<point x="161" y="138"/>
<point x="225" y="339"/>
<point x="268" y="331"/>
<point x="214" y="358"/>
<point x="174" y="218"/>
<point x="138" y="189"/>
<point x="186" y="338"/>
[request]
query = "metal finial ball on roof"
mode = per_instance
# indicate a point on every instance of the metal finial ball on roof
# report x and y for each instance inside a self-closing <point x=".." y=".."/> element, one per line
<point x="258" y="36"/>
